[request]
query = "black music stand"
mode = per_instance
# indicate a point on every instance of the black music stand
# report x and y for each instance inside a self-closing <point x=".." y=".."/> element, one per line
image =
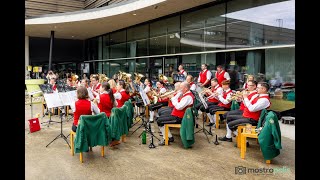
<point x="203" y="129"/>
<point x="47" y="89"/>
<point x="145" y="124"/>
<point x="61" y="135"/>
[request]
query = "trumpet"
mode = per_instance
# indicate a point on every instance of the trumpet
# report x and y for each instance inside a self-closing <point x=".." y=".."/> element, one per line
<point x="167" y="94"/>
<point x="238" y="94"/>
<point x="205" y="90"/>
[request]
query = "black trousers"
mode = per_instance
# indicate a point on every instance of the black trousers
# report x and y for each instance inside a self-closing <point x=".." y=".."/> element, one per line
<point x="162" y="120"/>
<point x="165" y="110"/>
<point x="74" y="128"/>
<point x="158" y="105"/>
<point x="213" y="109"/>
<point x="234" y="121"/>
<point x="200" y="106"/>
<point x="233" y="112"/>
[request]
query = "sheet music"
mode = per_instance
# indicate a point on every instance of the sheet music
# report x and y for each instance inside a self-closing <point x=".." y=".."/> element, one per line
<point x="53" y="100"/>
<point x="66" y="98"/>
<point x="144" y="97"/>
<point x="203" y="102"/>
<point x="201" y="99"/>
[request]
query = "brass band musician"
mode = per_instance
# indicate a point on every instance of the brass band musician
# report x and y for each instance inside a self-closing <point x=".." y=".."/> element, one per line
<point x="181" y="101"/>
<point x="160" y="102"/>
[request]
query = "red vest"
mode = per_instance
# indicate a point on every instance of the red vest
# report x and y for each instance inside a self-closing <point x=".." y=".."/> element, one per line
<point x="181" y="72"/>
<point x="224" y="95"/>
<point x="105" y="104"/>
<point x="170" y="103"/>
<point x="246" y="85"/>
<point x="220" y="76"/>
<point x="54" y="87"/>
<point x="83" y="107"/>
<point x="124" y="97"/>
<point x="254" y="115"/>
<point x="114" y="90"/>
<point x="203" y="76"/>
<point x="212" y="99"/>
<point x="180" y="113"/>
<point x="242" y="106"/>
<point x="96" y="89"/>
<point x="165" y="99"/>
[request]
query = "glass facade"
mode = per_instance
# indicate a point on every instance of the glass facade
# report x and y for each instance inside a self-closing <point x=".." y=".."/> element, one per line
<point x="261" y="29"/>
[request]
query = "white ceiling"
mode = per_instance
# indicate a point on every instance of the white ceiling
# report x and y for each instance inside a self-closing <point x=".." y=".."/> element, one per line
<point x="86" y="24"/>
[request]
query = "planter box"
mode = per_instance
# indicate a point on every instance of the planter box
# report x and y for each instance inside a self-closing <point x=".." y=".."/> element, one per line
<point x="33" y="85"/>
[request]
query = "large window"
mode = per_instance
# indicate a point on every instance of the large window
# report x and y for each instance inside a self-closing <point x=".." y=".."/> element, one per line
<point x="118" y="46"/>
<point x="203" y="30"/>
<point x="260" y="23"/>
<point x="137" y="41"/>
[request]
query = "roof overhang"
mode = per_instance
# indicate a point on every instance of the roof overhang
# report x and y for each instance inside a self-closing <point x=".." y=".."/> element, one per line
<point x="93" y="22"/>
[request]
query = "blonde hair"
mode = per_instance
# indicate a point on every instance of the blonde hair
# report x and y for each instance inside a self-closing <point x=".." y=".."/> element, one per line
<point x="112" y="83"/>
<point x="249" y="77"/>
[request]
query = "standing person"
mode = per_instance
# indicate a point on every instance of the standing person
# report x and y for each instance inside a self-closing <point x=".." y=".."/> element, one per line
<point x="82" y="107"/>
<point x="122" y="94"/>
<point x="53" y="83"/>
<point x="251" y="112"/>
<point x="95" y="85"/>
<point x="181" y="101"/>
<point x="189" y="80"/>
<point x="106" y="100"/>
<point x="204" y="76"/>
<point x="221" y="75"/>
<point x="182" y="71"/>
<point x="84" y="76"/>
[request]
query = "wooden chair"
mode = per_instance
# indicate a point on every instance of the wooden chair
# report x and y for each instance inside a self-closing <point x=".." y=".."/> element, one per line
<point x="72" y="135"/>
<point x="218" y="118"/>
<point x="166" y="131"/>
<point x="243" y="139"/>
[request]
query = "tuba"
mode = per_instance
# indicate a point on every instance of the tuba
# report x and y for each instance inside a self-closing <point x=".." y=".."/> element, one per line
<point x="163" y="78"/>
<point x="103" y="78"/>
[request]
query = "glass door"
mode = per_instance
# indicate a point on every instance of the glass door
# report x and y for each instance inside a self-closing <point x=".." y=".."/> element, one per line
<point x="155" y="68"/>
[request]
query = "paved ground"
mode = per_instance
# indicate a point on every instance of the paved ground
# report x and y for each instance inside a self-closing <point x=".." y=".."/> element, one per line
<point x="131" y="160"/>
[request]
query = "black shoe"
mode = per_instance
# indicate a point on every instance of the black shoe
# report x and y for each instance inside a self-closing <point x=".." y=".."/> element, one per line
<point x="160" y="134"/>
<point x="210" y="124"/>
<point x="225" y="139"/>
<point x="171" y="139"/>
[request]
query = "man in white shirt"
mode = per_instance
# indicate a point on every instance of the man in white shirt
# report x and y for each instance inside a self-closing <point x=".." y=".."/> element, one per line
<point x="204" y="76"/>
<point x="181" y="101"/>
<point x="221" y="74"/>
<point x="251" y="112"/>
<point x="182" y="71"/>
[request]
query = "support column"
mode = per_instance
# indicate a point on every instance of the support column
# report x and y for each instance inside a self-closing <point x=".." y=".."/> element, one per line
<point x="26" y="54"/>
<point x="50" y="52"/>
